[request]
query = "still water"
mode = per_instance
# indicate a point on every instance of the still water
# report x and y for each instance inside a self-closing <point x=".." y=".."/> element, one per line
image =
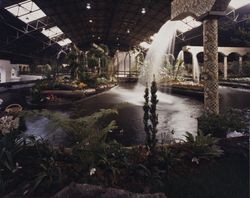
<point x="177" y="114"/>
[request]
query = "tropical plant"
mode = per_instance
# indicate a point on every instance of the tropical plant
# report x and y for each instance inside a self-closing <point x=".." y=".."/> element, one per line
<point x="172" y="71"/>
<point x="76" y="60"/>
<point x="201" y="147"/>
<point x="84" y="130"/>
<point x="98" y="57"/>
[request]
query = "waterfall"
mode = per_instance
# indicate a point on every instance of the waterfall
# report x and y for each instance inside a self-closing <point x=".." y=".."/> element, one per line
<point x="163" y="43"/>
<point x="196" y="69"/>
<point x="180" y="56"/>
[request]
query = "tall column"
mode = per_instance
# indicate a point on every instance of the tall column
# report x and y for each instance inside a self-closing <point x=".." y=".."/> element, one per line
<point x="240" y="64"/>
<point x="211" y="87"/>
<point x="193" y="57"/>
<point x="225" y="67"/>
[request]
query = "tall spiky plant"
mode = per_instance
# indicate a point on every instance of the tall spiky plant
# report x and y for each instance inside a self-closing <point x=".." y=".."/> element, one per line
<point x="150" y="116"/>
<point x="146" y="109"/>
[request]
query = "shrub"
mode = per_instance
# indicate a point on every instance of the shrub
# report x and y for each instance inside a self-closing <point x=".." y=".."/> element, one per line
<point x="220" y="125"/>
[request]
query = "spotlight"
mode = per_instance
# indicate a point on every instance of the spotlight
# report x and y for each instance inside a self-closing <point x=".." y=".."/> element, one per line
<point x="91" y="21"/>
<point x="88" y="6"/>
<point x="128" y="31"/>
<point x="143" y="10"/>
<point x="99" y="38"/>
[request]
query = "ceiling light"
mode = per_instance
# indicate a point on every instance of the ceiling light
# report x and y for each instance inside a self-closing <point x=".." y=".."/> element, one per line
<point x="99" y="38"/>
<point x="128" y="31"/>
<point x="93" y="36"/>
<point x="91" y="21"/>
<point x="117" y="38"/>
<point x="88" y="6"/>
<point x="143" y="10"/>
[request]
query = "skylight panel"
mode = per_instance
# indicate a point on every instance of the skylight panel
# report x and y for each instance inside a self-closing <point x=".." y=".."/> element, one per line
<point x="29" y="5"/>
<point x="187" y="24"/>
<point x="64" y="42"/>
<point x="32" y="16"/>
<point x="52" y="32"/>
<point x="238" y="3"/>
<point x="26" y="11"/>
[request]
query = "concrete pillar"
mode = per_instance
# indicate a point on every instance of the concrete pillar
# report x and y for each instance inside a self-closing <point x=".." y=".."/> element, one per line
<point x="130" y="63"/>
<point x="211" y="86"/>
<point x="240" y="64"/>
<point x="225" y="67"/>
<point x="193" y="57"/>
<point x="5" y="71"/>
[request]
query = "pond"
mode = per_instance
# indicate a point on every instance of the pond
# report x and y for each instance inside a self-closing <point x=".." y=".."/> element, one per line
<point x="177" y="114"/>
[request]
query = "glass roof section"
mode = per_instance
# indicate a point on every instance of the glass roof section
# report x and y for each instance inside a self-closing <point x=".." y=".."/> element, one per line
<point x="187" y="24"/>
<point x="52" y="32"/>
<point x="238" y="3"/>
<point x="26" y="11"/>
<point x="64" y="42"/>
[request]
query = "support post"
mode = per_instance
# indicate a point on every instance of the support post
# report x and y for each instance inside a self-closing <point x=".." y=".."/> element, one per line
<point x="225" y="68"/>
<point x="193" y="57"/>
<point x="240" y="64"/>
<point x="211" y="86"/>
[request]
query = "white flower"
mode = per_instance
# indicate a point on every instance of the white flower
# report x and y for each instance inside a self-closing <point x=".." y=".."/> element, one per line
<point x="195" y="160"/>
<point x="92" y="171"/>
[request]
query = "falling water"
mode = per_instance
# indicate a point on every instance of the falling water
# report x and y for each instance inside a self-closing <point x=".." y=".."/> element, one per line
<point x="163" y="44"/>
<point x="180" y="55"/>
<point x="196" y="69"/>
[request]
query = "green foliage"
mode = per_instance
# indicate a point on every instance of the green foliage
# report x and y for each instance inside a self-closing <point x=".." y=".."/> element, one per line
<point x="49" y="174"/>
<point x="77" y="62"/>
<point x="201" y="147"/>
<point x="84" y="130"/>
<point x="173" y="71"/>
<point x="89" y="79"/>
<point x="150" y="118"/>
<point x="98" y="56"/>
<point x="220" y="125"/>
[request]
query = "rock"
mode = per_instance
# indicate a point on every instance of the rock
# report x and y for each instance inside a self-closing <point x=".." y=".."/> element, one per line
<point x="92" y="191"/>
<point x="234" y="134"/>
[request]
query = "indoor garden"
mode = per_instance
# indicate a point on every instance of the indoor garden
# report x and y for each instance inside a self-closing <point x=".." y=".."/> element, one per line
<point x="125" y="98"/>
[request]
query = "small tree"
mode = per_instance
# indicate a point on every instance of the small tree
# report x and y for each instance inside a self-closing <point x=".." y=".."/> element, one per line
<point x="150" y="118"/>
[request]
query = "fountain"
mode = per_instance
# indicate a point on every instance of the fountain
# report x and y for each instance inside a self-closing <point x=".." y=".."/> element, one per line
<point x="163" y="44"/>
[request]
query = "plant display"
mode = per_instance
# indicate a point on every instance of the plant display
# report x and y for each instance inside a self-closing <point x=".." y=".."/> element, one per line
<point x="172" y="71"/>
<point x="8" y="123"/>
<point x="39" y="169"/>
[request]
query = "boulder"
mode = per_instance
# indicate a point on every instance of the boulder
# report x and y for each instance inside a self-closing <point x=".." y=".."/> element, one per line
<point x="92" y="191"/>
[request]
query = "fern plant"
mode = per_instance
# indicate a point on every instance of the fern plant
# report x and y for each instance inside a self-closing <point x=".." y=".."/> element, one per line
<point x="201" y="147"/>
